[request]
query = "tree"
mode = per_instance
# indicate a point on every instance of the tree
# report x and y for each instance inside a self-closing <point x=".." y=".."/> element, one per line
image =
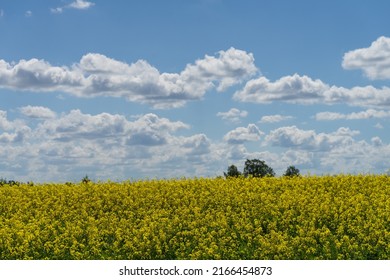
<point x="85" y="180"/>
<point x="11" y="183"/>
<point x="291" y="171"/>
<point x="232" y="171"/>
<point x="257" y="168"/>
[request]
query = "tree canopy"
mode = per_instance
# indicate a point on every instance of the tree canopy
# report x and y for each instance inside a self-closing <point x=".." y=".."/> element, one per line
<point x="257" y="168"/>
<point x="291" y="171"/>
<point x="232" y="171"/>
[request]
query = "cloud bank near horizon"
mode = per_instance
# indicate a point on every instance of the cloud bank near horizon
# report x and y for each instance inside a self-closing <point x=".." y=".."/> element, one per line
<point x="45" y="144"/>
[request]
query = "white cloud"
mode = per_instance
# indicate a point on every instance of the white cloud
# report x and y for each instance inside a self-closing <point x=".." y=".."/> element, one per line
<point x="78" y="5"/>
<point x="69" y="145"/>
<point x="98" y="75"/>
<point x="379" y="126"/>
<point x="38" y="75"/>
<point x="234" y="115"/>
<point x="81" y="4"/>
<point x="299" y="89"/>
<point x="38" y="112"/>
<point x="236" y="153"/>
<point x="358" y="156"/>
<point x="197" y="144"/>
<point x="330" y="116"/>
<point x="350" y="156"/>
<point x="150" y="130"/>
<point x="77" y="125"/>
<point x="229" y="68"/>
<point x="28" y="13"/>
<point x="376" y="141"/>
<point x="243" y="134"/>
<point x="14" y="131"/>
<point x="368" y="114"/>
<point x="18" y="136"/>
<point x="57" y="10"/>
<point x="374" y="61"/>
<point x="304" y="90"/>
<point x="9" y="125"/>
<point x="335" y="152"/>
<point x="73" y="143"/>
<point x="5" y="124"/>
<point x="297" y="158"/>
<point x="291" y="136"/>
<point x="274" y="118"/>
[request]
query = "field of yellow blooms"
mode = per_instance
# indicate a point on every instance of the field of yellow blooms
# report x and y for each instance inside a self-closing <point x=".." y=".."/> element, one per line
<point x="309" y="217"/>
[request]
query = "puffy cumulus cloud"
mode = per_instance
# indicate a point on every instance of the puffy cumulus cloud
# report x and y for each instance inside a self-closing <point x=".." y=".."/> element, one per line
<point x="349" y="157"/>
<point x="66" y="146"/>
<point x="74" y="143"/>
<point x="229" y="68"/>
<point x="37" y="112"/>
<point x="368" y="114"/>
<point x="152" y="121"/>
<point x="150" y="130"/>
<point x="320" y="153"/>
<point x="38" y="75"/>
<point x="10" y="125"/>
<point x="304" y="90"/>
<point x="147" y="130"/>
<point x="274" y="118"/>
<point x="367" y="96"/>
<point x="294" y="88"/>
<point x="378" y="126"/>
<point x="81" y="4"/>
<point x="297" y="158"/>
<point x="243" y="134"/>
<point x="12" y="131"/>
<point x="376" y="141"/>
<point x="5" y="124"/>
<point x="78" y="5"/>
<point x="105" y="145"/>
<point x="77" y="125"/>
<point x="146" y="138"/>
<point x="236" y="153"/>
<point x="141" y="82"/>
<point x="340" y="152"/>
<point x="374" y="61"/>
<point x="358" y="157"/>
<point x="291" y="136"/>
<point x="98" y="75"/>
<point x="234" y="115"/>
<point x="18" y="136"/>
<point x="196" y="144"/>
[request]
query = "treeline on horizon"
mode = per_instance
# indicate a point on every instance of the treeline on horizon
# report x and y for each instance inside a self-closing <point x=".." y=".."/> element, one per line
<point x="253" y="168"/>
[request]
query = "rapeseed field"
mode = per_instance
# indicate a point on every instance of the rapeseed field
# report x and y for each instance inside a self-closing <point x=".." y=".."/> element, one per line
<point x="308" y="217"/>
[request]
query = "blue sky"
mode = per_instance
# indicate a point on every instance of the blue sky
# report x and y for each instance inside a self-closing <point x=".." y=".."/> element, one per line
<point x="159" y="89"/>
